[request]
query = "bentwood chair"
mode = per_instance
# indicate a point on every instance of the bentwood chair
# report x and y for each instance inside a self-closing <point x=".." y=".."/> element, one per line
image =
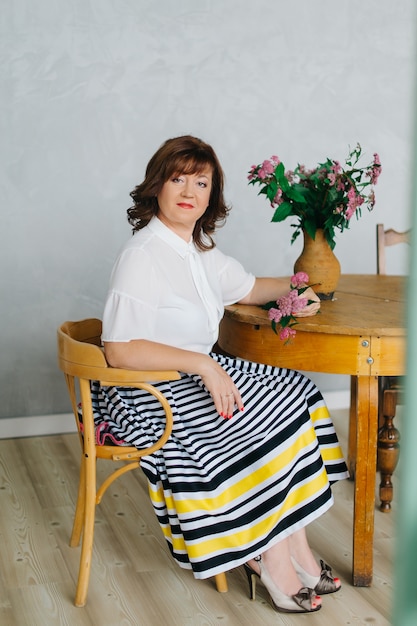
<point x="390" y="393"/>
<point x="82" y="360"/>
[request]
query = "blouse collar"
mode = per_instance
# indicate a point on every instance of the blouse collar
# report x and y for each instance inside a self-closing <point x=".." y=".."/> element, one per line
<point x="172" y="239"/>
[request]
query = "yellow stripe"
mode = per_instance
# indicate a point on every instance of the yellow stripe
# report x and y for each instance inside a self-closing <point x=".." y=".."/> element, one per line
<point x="202" y="548"/>
<point x="330" y="452"/>
<point x="243" y="537"/>
<point x="300" y="494"/>
<point x="157" y="496"/>
<point x="178" y="543"/>
<point x="321" y="413"/>
<point x="232" y="492"/>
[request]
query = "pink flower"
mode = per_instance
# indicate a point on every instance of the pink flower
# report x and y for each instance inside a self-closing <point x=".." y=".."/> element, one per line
<point x="340" y="184"/>
<point x="289" y="175"/>
<point x="278" y="198"/>
<point x="336" y="167"/>
<point x="285" y="304"/>
<point x="354" y="202"/>
<point x="275" y="315"/>
<point x="350" y="212"/>
<point x="299" y="279"/>
<point x="268" y="166"/>
<point x="332" y="179"/>
<point x="351" y="194"/>
<point x="286" y="333"/>
<point x="262" y="174"/>
<point x="252" y="172"/>
<point x="375" y="170"/>
<point x="298" y="305"/>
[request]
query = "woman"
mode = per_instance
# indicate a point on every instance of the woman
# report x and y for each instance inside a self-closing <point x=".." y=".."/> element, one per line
<point x="243" y="473"/>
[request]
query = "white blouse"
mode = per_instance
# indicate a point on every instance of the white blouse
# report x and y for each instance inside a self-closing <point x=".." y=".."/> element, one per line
<point x="166" y="290"/>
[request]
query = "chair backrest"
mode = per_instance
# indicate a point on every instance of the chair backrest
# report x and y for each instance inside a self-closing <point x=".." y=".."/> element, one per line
<point x="82" y="360"/>
<point x="80" y="355"/>
<point x="386" y="238"/>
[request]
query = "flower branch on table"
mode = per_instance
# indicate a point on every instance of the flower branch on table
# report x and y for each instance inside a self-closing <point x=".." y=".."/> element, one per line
<point x="283" y="312"/>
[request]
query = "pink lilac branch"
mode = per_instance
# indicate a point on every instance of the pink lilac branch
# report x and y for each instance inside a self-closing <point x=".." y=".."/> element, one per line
<point x="283" y="311"/>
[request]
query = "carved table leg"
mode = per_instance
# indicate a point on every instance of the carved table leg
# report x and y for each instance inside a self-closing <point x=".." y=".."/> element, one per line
<point x="388" y="448"/>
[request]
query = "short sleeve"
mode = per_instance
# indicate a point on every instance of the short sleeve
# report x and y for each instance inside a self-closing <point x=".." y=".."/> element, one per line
<point x="129" y="312"/>
<point x="235" y="281"/>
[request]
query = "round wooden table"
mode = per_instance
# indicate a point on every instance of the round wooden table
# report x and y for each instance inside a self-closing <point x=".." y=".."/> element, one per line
<point x="361" y="332"/>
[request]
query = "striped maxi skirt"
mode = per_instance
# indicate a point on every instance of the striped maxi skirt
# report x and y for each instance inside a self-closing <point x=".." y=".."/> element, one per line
<point x="225" y="490"/>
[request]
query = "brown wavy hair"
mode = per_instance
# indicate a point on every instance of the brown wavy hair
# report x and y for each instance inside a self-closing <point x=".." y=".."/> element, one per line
<point x="181" y="155"/>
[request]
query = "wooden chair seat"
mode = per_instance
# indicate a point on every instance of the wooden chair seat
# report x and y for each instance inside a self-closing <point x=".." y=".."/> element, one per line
<point x="82" y="360"/>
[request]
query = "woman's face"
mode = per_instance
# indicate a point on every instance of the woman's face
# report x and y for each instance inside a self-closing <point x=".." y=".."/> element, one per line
<point x="182" y="201"/>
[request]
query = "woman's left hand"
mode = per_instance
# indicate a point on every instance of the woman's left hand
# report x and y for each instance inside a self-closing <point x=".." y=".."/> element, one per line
<point x="310" y="309"/>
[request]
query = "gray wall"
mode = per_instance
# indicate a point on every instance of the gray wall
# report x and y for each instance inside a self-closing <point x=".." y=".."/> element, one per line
<point x="90" y="89"/>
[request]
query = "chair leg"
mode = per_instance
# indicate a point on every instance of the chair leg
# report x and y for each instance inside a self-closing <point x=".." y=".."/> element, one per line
<point x="77" y="526"/>
<point x="388" y="449"/>
<point x="88" y="533"/>
<point x="221" y="582"/>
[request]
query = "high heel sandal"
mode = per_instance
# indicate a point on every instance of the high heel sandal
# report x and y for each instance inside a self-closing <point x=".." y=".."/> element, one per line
<point x="325" y="583"/>
<point x="301" y="602"/>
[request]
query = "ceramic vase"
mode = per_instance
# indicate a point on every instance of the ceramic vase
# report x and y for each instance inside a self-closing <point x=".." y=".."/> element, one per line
<point x="318" y="260"/>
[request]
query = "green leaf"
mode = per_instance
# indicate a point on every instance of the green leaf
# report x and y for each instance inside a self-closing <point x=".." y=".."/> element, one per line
<point x="296" y="195"/>
<point x="282" y="212"/>
<point x="279" y="171"/>
<point x="269" y="305"/>
<point x="272" y="190"/>
<point x="295" y="233"/>
<point x="310" y="228"/>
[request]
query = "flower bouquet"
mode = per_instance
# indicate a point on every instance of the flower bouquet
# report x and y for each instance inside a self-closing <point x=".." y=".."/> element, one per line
<point x="325" y="197"/>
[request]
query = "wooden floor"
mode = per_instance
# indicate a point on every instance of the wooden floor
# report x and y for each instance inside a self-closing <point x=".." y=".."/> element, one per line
<point x="134" y="580"/>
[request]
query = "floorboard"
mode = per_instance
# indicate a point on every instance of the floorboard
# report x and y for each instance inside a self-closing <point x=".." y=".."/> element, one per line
<point x="134" y="581"/>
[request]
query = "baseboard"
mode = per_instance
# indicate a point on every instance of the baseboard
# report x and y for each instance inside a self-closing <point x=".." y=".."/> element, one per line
<point x="14" y="427"/>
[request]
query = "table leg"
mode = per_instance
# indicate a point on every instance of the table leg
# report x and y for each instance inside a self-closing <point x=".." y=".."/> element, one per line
<point x="351" y="456"/>
<point x="364" y="499"/>
<point x="388" y="447"/>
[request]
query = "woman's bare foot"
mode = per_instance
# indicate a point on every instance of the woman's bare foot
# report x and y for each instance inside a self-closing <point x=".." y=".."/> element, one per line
<point x="301" y="552"/>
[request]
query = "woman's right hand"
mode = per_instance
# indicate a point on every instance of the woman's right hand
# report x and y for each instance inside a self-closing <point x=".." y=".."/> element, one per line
<point x="140" y="354"/>
<point x="221" y="387"/>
